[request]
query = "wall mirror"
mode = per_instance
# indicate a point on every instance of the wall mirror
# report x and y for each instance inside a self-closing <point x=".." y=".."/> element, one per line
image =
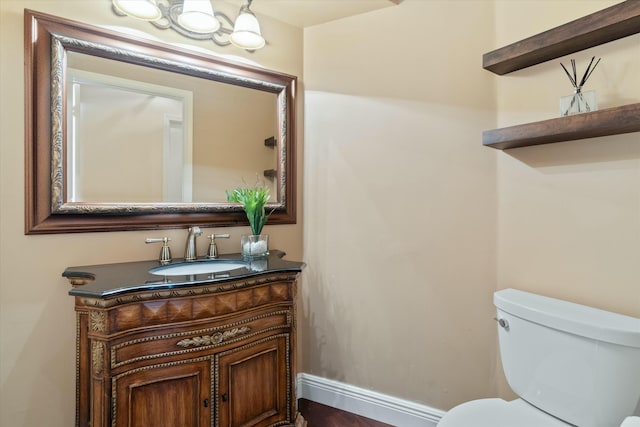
<point x="125" y="133"/>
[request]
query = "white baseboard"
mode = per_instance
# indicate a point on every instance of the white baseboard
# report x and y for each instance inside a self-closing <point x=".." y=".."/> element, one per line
<point x="367" y="403"/>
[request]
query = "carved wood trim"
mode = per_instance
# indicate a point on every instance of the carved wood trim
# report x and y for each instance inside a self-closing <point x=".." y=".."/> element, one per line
<point x="78" y="376"/>
<point x="149" y="313"/>
<point x="97" y="357"/>
<point x="116" y="364"/>
<point x="79" y="281"/>
<point x="97" y="321"/>
<point x="82" y="376"/>
<point x="217" y="338"/>
<point x="178" y="293"/>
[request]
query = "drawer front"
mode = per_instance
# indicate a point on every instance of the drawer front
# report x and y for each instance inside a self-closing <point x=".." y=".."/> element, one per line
<point x="192" y="306"/>
<point x="179" y="341"/>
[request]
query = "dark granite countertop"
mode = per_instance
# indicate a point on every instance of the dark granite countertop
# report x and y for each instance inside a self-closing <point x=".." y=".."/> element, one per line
<point x="112" y="280"/>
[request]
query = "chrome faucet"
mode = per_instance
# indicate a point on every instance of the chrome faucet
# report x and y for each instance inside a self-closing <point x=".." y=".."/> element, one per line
<point x="190" y="248"/>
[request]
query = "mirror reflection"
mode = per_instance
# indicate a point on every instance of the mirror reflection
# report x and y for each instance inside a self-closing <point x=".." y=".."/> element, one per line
<point x="142" y="135"/>
<point x="125" y="133"/>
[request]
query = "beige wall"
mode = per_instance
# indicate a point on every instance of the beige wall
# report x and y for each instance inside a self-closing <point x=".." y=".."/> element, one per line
<point x="569" y="213"/>
<point x="37" y="322"/>
<point x="400" y="233"/>
<point x="412" y="225"/>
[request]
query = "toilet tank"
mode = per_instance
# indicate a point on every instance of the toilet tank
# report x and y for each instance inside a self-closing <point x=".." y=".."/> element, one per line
<point x="575" y="362"/>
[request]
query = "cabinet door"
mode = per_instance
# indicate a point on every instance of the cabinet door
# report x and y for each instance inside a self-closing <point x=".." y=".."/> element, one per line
<point x="254" y="387"/>
<point x="165" y="395"/>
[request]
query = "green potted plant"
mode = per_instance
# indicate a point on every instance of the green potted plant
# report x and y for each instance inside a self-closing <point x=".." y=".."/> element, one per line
<point x="253" y="200"/>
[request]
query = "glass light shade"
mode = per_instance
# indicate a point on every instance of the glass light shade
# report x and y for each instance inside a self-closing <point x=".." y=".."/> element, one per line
<point x="197" y="16"/>
<point x="141" y="9"/>
<point x="246" y="31"/>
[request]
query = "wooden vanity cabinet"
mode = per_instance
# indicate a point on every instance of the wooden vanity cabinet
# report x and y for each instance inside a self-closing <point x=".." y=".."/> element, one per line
<point x="212" y="355"/>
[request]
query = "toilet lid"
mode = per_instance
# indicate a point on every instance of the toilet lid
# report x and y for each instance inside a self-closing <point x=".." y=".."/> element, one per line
<point x="498" y="413"/>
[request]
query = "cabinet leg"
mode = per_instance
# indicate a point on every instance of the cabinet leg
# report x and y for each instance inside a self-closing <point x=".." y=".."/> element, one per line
<point x="300" y="421"/>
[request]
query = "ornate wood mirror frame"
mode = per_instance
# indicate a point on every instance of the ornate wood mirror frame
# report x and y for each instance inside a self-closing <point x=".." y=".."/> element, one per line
<point x="48" y="39"/>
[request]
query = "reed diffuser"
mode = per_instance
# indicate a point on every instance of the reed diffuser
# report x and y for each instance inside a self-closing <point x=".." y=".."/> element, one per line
<point x="580" y="101"/>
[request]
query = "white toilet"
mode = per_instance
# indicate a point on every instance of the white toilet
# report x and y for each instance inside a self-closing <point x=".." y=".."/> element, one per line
<point x="571" y="365"/>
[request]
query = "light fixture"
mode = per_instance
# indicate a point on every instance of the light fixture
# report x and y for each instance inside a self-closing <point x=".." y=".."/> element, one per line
<point x="246" y="31"/>
<point x="141" y="9"/>
<point x="197" y="20"/>
<point x="197" y="16"/>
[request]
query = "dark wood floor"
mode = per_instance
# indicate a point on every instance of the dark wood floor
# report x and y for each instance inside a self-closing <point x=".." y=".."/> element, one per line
<point x="318" y="415"/>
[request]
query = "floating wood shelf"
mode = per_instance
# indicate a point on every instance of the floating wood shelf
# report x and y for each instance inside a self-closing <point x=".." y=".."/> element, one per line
<point x="612" y="23"/>
<point x="609" y="24"/>
<point x="611" y="121"/>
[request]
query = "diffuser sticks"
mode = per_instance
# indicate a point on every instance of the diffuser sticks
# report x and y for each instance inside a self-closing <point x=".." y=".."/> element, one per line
<point x="579" y="102"/>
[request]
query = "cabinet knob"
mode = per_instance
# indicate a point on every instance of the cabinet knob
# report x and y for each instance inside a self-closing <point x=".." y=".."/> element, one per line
<point x="225" y="397"/>
<point x="206" y="403"/>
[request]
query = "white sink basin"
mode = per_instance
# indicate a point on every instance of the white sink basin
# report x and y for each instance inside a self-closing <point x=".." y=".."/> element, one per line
<point x="198" y="267"/>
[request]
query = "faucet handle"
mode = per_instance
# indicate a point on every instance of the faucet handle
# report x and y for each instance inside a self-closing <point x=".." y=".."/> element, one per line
<point x="213" y="248"/>
<point x="165" y="251"/>
<point x="219" y="236"/>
